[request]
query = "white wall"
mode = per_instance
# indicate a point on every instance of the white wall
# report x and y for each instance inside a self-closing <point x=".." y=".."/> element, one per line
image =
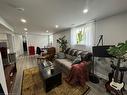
<point x="14" y="43"/>
<point x="10" y="43"/>
<point x="3" y="37"/>
<point x="18" y="44"/>
<point x="5" y="24"/>
<point x="114" y="29"/>
<point x="68" y="37"/>
<point x="2" y="77"/>
<point x="37" y="40"/>
<point x="57" y="35"/>
<point x="89" y="29"/>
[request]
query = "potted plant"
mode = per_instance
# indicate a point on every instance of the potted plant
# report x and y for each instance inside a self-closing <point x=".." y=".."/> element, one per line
<point x="119" y="51"/>
<point x="62" y="43"/>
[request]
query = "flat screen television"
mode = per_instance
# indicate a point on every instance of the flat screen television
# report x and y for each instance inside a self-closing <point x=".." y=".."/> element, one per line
<point x="3" y="50"/>
<point x="101" y="51"/>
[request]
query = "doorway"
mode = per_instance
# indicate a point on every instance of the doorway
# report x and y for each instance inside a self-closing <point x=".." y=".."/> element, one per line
<point x="25" y="47"/>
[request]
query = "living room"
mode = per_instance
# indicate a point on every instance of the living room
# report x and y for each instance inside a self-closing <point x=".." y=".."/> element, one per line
<point x="100" y="23"/>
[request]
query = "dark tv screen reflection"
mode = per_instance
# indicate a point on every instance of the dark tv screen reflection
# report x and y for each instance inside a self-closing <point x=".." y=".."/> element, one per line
<point x="101" y="51"/>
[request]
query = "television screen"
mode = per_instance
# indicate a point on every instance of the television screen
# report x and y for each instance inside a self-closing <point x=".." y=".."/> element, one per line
<point x="3" y="50"/>
<point x="101" y="51"/>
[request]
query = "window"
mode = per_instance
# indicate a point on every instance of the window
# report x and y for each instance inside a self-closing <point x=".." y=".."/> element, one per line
<point x="50" y="37"/>
<point x="83" y="35"/>
<point x="80" y="36"/>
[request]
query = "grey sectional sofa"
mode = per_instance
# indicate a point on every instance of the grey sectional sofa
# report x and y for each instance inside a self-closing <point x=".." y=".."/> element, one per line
<point x="70" y="54"/>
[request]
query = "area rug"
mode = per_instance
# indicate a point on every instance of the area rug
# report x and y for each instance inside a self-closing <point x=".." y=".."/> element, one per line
<point x="32" y="84"/>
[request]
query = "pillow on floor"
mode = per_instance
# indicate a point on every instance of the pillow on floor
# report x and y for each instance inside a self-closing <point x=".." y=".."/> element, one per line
<point x="77" y="60"/>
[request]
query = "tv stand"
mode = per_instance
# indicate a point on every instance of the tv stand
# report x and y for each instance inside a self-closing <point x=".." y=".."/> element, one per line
<point x="10" y="73"/>
<point x="9" y="64"/>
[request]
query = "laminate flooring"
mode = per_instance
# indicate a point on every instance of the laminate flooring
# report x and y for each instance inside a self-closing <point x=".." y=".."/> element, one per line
<point x="25" y="62"/>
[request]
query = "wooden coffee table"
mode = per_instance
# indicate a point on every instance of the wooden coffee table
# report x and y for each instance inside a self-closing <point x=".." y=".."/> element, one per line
<point x="51" y="77"/>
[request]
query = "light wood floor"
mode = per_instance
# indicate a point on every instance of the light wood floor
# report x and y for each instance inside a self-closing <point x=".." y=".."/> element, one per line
<point x="25" y="62"/>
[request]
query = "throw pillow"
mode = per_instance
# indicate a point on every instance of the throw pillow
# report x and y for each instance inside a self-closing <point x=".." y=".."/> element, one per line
<point x="77" y="60"/>
<point x="86" y="56"/>
<point x="66" y="51"/>
<point x="60" y="55"/>
<point x="71" y="51"/>
<point x="78" y="52"/>
<point x="74" y="50"/>
<point x="71" y="58"/>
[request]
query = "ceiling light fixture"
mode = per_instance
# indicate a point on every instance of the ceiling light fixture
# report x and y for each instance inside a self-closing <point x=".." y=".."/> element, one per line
<point x="47" y="31"/>
<point x="85" y="11"/>
<point x="20" y="9"/>
<point x="57" y="26"/>
<point x="25" y="29"/>
<point x="23" y="20"/>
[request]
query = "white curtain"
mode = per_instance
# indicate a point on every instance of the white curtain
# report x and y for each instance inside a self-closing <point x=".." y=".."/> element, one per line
<point x="90" y="35"/>
<point x="89" y="30"/>
<point x="73" y="36"/>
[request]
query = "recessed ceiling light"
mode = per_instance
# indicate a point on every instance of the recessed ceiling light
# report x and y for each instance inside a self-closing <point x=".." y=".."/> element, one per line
<point x="20" y="9"/>
<point x="57" y="26"/>
<point x="85" y="11"/>
<point x="47" y="31"/>
<point x="23" y="20"/>
<point x="25" y="29"/>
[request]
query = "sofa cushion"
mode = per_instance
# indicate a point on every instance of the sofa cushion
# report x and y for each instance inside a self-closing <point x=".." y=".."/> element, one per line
<point x="78" y="52"/>
<point x="77" y="60"/>
<point x="60" y="55"/>
<point x="73" y="52"/>
<point x="86" y="56"/>
<point x="67" y="50"/>
<point x="64" y="62"/>
<point x="70" y="57"/>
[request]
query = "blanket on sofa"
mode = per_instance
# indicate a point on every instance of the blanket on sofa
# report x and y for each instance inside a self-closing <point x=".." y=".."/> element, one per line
<point x="78" y="74"/>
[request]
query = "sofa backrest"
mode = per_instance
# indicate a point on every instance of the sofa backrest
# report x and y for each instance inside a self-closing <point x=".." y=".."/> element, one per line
<point x="85" y="55"/>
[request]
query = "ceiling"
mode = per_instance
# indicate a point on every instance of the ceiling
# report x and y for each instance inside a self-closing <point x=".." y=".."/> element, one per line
<point x="42" y="15"/>
<point x="3" y="29"/>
